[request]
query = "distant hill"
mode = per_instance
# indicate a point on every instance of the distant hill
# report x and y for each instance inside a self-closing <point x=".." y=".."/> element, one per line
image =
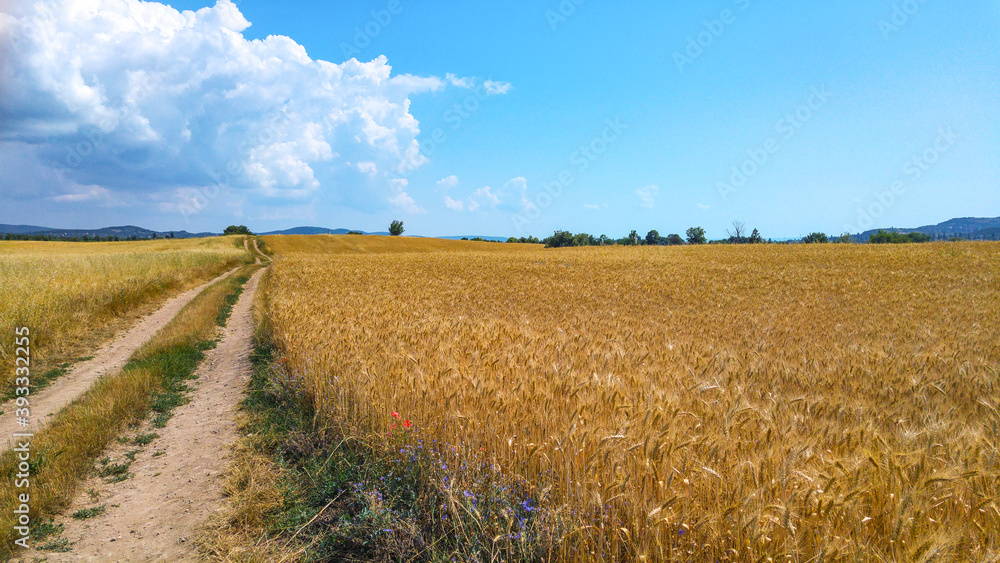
<point x="123" y="232"/>
<point x="966" y="227"/>
<point x="21" y="229"/>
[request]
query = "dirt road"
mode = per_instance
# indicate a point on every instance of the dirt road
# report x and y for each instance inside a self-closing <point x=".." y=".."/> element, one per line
<point x="108" y="359"/>
<point x="177" y="478"/>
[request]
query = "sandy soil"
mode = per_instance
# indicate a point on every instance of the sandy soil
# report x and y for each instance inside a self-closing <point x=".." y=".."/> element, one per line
<point x="178" y="478"/>
<point x="108" y="359"/>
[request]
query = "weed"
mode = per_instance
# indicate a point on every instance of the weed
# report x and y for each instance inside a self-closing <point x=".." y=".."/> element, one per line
<point x="85" y="513"/>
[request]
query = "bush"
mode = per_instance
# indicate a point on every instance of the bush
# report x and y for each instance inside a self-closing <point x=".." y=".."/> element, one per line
<point x="396" y="228"/>
<point x="559" y="239"/>
<point x="884" y="237"/>
<point x="814" y="238"/>
<point x="237" y="230"/>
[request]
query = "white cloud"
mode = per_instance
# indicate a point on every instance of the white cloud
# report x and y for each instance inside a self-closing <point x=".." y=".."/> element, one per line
<point x="446" y="183"/>
<point x="511" y="197"/>
<point x="483" y="197"/>
<point x="647" y="196"/>
<point x="460" y="82"/>
<point x="79" y="194"/>
<point x="591" y="206"/>
<point x="400" y="199"/>
<point x="703" y="206"/>
<point x="139" y="98"/>
<point x="494" y="87"/>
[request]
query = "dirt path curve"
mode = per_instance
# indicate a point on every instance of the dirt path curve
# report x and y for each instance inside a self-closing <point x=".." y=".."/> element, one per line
<point x="257" y="248"/>
<point x="178" y="478"/>
<point x="109" y="358"/>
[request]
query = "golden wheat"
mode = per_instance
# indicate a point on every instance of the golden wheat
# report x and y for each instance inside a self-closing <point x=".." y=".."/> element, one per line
<point x="801" y="403"/>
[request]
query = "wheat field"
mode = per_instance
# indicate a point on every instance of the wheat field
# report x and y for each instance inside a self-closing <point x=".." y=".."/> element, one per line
<point x="68" y="291"/>
<point x="716" y="403"/>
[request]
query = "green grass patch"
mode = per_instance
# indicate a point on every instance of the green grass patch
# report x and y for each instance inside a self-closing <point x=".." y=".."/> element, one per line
<point x="85" y="513"/>
<point x="227" y="307"/>
<point x="48" y="537"/>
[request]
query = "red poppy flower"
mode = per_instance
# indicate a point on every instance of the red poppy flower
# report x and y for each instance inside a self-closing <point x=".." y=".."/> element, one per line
<point x="407" y="424"/>
<point x="395" y="414"/>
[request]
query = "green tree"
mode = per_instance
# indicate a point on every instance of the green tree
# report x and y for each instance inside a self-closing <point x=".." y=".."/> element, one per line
<point x="396" y="228"/>
<point x="653" y="237"/>
<point x="559" y="239"/>
<point x="815" y="238"/>
<point x="674" y="239"/>
<point x="237" y="230"/>
<point x="696" y="235"/>
<point x="755" y="238"/>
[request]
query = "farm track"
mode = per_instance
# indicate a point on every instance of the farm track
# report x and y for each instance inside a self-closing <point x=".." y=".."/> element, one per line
<point x="177" y="481"/>
<point x="108" y="359"/>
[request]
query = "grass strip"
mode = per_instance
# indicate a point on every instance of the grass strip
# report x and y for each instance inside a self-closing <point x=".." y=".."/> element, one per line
<point x="153" y="382"/>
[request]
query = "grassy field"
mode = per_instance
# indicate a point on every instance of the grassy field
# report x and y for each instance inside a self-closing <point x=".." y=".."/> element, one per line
<point x="69" y="293"/>
<point x="762" y="403"/>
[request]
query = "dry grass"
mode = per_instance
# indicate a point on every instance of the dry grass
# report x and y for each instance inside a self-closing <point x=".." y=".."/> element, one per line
<point x="73" y="295"/>
<point x="797" y="403"/>
<point x="153" y="380"/>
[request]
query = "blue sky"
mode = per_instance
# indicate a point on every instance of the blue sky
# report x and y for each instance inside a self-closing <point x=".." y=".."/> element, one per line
<point x="789" y="117"/>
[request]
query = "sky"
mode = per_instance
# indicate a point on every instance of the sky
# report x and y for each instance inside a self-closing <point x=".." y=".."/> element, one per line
<point x="509" y="118"/>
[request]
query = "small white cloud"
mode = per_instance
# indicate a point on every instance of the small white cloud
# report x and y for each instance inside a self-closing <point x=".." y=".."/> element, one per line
<point x="401" y="199"/>
<point x="446" y="183"/>
<point x="367" y="167"/>
<point x="83" y="194"/>
<point x="460" y="82"/>
<point x="593" y="206"/>
<point x="703" y="206"/>
<point x="484" y="196"/>
<point x="512" y="196"/>
<point x="494" y="87"/>
<point x="647" y="196"/>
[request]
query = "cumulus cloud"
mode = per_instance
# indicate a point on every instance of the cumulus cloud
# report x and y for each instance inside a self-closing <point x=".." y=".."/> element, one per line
<point x="647" y="196"/>
<point x="177" y="107"/>
<point x="454" y="204"/>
